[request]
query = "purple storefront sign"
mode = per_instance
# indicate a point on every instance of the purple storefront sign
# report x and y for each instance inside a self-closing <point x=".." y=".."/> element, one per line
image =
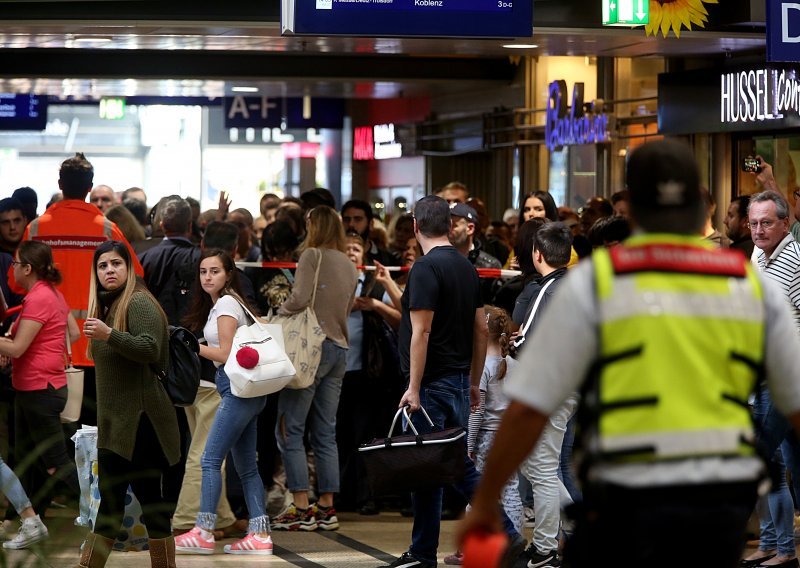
<point x="564" y="128"/>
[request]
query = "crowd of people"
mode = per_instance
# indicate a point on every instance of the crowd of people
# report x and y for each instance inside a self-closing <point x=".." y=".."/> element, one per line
<point x="109" y="275"/>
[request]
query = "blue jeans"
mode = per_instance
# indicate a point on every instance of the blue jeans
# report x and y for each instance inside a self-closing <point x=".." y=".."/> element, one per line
<point x="447" y="402"/>
<point x="234" y="430"/>
<point x="776" y="512"/>
<point x="12" y="488"/>
<point x="566" y="473"/>
<point x="318" y="404"/>
<point x="790" y="448"/>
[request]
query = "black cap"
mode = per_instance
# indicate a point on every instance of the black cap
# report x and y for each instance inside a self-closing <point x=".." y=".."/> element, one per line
<point x="465" y="211"/>
<point x="663" y="174"/>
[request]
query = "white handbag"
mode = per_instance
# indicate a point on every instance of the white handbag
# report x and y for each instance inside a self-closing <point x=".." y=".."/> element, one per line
<point x="273" y="368"/>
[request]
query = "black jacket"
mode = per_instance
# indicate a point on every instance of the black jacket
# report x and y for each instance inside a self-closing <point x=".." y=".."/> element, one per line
<point x="162" y="261"/>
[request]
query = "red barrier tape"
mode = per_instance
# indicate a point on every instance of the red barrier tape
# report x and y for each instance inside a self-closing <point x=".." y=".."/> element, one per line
<point x="482" y="272"/>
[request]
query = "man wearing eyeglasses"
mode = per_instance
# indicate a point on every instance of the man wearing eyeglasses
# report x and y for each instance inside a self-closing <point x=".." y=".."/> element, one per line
<point x="777" y="258"/>
<point x="778" y="253"/>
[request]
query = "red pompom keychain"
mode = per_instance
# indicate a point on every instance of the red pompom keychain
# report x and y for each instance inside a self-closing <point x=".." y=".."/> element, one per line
<point x="247" y="357"/>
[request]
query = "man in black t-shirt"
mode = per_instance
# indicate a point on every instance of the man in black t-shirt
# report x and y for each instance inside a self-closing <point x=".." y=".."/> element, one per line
<point x="442" y="341"/>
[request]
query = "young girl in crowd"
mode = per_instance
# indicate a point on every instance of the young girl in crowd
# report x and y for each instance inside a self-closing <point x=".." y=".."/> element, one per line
<point x="483" y="423"/>
<point x="36" y="346"/>
<point x="137" y="429"/>
<point x="217" y="309"/>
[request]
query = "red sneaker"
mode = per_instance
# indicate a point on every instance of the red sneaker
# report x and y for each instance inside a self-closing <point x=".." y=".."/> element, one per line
<point x="193" y="542"/>
<point x="251" y="544"/>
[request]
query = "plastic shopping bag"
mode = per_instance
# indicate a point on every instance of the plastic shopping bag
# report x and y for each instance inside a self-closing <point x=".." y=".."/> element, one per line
<point x="133" y="534"/>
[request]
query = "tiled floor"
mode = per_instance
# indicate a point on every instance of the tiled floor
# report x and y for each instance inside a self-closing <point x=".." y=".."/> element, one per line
<point x="361" y="542"/>
<point x="365" y="542"/>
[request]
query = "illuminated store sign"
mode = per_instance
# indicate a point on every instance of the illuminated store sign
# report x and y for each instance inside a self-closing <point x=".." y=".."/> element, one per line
<point x="376" y="143"/>
<point x="736" y="99"/>
<point x="759" y="94"/>
<point x="576" y="126"/>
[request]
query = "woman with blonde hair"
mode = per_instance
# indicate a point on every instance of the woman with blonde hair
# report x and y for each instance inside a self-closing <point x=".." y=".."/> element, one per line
<point x="137" y="428"/>
<point x="323" y="249"/>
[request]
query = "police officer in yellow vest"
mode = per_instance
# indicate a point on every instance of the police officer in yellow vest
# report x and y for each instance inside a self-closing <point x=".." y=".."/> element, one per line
<point x="667" y="339"/>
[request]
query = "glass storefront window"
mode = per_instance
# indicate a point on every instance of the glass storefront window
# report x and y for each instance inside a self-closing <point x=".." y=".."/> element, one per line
<point x="782" y="153"/>
<point x="635" y="80"/>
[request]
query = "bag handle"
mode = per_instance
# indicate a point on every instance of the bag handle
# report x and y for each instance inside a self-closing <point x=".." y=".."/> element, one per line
<point x="316" y="280"/>
<point x="404" y="412"/>
<point x="249" y="313"/>
<point x="529" y="321"/>
<point x="69" y="347"/>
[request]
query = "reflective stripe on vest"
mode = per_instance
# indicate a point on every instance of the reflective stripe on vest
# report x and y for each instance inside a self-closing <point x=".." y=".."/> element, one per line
<point x="33" y="228"/>
<point x="680" y="352"/>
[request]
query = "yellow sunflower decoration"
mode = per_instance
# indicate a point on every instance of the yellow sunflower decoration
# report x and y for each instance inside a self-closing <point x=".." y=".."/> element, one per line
<point x="666" y="14"/>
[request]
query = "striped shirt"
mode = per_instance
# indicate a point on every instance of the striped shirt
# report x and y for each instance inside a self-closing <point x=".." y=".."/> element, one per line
<point x="783" y="267"/>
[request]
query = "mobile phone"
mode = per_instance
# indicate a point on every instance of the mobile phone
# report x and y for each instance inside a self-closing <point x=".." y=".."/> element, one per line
<point x="751" y="164"/>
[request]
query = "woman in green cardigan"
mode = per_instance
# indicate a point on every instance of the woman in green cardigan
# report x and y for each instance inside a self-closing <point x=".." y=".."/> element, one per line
<point x="137" y="429"/>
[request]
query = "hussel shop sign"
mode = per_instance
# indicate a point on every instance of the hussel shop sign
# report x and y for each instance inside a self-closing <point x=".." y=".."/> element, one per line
<point x="759" y="94"/>
<point x="735" y="99"/>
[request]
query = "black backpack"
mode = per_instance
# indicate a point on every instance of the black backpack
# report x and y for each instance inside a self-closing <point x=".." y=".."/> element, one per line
<point x="177" y="292"/>
<point x="181" y="378"/>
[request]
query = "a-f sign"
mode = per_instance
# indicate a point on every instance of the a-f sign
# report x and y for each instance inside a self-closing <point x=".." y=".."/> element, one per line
<point x="785" y="37"/>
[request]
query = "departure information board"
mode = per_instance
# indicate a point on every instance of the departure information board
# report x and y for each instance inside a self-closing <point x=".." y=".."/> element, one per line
<point x="23" y="112"/>
<point x="398" y="18"/>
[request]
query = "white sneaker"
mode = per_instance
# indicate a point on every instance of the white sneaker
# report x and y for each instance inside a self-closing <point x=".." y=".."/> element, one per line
<point x="31" y="532"/>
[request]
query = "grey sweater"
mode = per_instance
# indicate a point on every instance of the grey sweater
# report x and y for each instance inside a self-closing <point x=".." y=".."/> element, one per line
<point x="335" y="291"/>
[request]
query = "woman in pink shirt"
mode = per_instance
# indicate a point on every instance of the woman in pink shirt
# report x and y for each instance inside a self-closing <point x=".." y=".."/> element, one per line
<point x="36" y="349"/>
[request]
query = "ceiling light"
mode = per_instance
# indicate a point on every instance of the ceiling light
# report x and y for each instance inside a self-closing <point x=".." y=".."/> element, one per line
<point x="520" y="46"/>
<point x="93" y="39"/>
<point x="245" y="89"/>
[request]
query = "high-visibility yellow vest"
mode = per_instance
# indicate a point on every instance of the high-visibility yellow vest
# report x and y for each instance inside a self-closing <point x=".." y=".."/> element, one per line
<point x="681" y="348"/>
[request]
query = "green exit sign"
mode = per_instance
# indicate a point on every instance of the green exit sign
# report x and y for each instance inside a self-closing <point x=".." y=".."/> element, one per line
<point x="626" y="12"/>
<point x="112" y="109"/>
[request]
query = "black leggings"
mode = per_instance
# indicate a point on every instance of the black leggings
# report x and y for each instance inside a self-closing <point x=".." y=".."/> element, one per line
<point x="144" y="473"/>
<point x="40" y="444"/>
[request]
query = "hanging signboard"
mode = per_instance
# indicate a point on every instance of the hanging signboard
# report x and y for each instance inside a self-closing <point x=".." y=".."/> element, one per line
<point x="397" y="18"/>
<point x="783" y="31"/>
<point x="23" y="112"/>
<point x="626" y="13"/>
<point x="377" y="142"/>
<point x="277" y="112"/>
<point x="766" y="97"/>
